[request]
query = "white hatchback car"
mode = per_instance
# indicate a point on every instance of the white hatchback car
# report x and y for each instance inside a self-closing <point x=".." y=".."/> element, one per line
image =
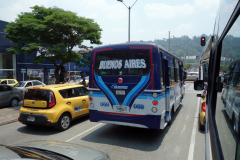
<point x="24" y="84"/>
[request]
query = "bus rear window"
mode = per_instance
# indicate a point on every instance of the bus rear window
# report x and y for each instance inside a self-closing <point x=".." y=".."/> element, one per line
<point x="125" y="62"/>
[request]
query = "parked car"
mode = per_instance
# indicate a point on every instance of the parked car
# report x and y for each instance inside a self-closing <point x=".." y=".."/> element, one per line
<point x="10" y="82"/>
<point x="54" y="105"/>
<point x="24" y="84"/>
<point x="50" y="150"/>
<point x="10" y="95"/>
<point x="191" y="76"/>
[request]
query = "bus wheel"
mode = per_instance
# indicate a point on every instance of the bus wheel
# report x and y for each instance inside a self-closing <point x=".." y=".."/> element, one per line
<point x="234" y="122"/>
<point x="170" y="118"/>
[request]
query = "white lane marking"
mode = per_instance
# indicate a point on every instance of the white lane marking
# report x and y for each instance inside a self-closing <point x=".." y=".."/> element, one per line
<point x="197" y="92"/>
<point x="190" y="88"/>
<point x="187" y="117"/>
<point x="83" y="132"/>
<point x="184" y="127"/>
<point x="192" y="142"/>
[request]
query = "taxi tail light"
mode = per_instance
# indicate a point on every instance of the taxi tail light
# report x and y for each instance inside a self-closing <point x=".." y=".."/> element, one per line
<point x="52" y="100"/>
<point x="21" y="91"/>
<point x="204" y="106"/>
<point x="48" y="122"/>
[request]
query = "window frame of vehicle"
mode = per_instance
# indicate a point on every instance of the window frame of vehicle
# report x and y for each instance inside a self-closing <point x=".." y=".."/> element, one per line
<point x="10" y="81"/>
<point x="162" y="71"/>
<point x="213" y="143"/>
<point x="77" y="92"/>
<point x="39" y="83"/>
<point x="26" y="85"/>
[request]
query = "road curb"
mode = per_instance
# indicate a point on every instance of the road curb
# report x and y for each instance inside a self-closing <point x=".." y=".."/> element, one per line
<point x="8" y="122"/>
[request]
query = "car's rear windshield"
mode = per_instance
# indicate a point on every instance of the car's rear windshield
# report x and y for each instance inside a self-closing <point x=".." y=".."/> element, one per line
<point x="124" y="62"/>
<point x="37" y="94"/>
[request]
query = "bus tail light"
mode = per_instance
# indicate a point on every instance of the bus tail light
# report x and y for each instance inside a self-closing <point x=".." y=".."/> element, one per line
<point x="204" y="106"/>
<point x="155" y="102"/>
<point x="90" y="98"/>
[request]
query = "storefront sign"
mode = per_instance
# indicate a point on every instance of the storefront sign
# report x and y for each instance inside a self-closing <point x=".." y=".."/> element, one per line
<point x="35" y="71"/>
<point x="23" y="70"/>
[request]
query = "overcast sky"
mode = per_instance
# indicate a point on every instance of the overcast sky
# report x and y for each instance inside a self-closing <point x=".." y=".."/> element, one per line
<point x="150" y="19"/>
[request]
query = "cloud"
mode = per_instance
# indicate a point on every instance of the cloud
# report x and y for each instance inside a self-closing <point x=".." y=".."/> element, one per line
<point x="10" y="13"/>
<point x="206" y="4"/>
<point x="139" y="31"/>
<point x="184" y="27"/>
<point x="118" y="30"/>
<point x="114" y="11"/>
<point x="160" y="10"/>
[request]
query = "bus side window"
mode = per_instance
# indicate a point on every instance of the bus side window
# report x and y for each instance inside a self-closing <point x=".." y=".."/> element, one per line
<point x="236" y="75"/>
<point x="161" y="71"/>
<point x="171" y="70"/>
<point x="230" y="75"/>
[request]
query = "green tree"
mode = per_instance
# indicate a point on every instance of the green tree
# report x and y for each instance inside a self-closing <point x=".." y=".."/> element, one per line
<point x="53" y="32"/>
<point x="186" y="66"/>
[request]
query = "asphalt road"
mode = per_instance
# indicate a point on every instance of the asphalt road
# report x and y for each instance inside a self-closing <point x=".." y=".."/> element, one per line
<point x="182" y="140"/>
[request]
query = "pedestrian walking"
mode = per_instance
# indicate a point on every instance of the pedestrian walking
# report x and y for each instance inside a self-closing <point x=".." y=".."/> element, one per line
<point x="74" y="78"/>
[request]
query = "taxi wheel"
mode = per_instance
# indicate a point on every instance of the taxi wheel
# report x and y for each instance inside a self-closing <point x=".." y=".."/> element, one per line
<point x="200" y="125"/>
<point x="64" y="122"/>
<point x="14" y="102"/>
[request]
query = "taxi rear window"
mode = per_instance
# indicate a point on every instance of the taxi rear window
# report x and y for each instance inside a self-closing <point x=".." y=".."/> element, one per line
<point x="37" y="94"/>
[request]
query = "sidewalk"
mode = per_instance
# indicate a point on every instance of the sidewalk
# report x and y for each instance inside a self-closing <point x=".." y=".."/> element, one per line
<point x="9" y="114"/>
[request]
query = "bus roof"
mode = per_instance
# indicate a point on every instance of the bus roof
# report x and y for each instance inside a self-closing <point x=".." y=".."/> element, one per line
<point x="126" y="45"/>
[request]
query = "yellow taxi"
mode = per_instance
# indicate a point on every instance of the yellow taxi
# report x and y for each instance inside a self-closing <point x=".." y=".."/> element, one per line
<point x="10" y="82"/>
<point x="54" y="105"/>
<point x="202" y="110"/>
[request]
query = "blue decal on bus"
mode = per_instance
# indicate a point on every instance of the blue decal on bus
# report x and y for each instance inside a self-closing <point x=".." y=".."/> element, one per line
<point x="135" y="90"/>
<point x="104" y="87"/>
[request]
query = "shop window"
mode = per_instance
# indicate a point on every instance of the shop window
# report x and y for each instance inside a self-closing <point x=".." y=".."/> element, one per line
<point x="35" y="74"/>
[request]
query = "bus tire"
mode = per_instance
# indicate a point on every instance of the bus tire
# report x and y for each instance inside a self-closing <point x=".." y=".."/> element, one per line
<point x="170" y="117"/>
<point x="234" y="122"/>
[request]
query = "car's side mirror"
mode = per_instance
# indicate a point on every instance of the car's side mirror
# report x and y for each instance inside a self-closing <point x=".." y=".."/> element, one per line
<point x="199" y="85"/>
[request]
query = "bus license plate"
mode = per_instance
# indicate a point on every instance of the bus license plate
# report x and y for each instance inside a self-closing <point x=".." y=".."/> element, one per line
<point x="121" y="109"/>
<point x="120" y="92"/>
<point x="31" y="118"/>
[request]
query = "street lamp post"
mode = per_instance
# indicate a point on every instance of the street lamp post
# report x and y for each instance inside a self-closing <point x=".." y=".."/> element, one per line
<point x="129" y="8"/>
<point x="169" y="41"/>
